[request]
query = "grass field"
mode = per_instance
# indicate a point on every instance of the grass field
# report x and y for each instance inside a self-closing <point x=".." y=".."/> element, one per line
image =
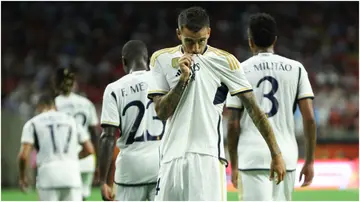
<point x="307" y="195"/>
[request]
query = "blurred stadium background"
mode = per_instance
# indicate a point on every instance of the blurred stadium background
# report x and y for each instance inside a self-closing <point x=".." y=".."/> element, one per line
<point x="37" y="37"/>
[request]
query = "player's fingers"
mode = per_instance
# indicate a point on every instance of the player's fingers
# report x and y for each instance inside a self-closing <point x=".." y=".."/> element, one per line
<point x="271" y="174"/>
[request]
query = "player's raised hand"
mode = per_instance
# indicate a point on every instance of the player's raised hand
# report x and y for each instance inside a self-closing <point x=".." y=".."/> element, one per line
<point x="185" y="65"/>
<point x="308" y="171"/>
<point x="24" y="185"/>
<point x="278" y="167"/>
<point x="234" y="178"/>
<point x="106" y="192"/>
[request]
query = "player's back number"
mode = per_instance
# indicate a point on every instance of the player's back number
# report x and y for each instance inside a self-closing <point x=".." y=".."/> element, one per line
<point x="149" y="137"/>
<point x="274" y="87"/>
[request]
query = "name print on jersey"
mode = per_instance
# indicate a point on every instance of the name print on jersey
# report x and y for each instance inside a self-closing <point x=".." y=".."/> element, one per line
<point x="134" y="89"/>
<point x="272" y="66"/>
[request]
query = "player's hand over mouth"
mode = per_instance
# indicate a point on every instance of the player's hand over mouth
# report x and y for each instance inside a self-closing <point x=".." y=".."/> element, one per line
<point x="185" y="65"/>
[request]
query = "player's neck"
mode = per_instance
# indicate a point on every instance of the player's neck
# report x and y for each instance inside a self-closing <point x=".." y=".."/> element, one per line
<point x="138" y="67"/>
<point x="47" y="109"/>
<point x="263" y="50"/>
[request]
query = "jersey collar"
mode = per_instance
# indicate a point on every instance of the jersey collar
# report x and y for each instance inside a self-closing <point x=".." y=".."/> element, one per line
<point x="182" y="51"/>
<point x="265" y="54"/>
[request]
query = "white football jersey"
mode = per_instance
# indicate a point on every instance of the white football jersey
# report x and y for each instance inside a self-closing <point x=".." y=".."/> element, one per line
<point x="196" y="125"/>
<point x="84" y="112"/>
<point x="278" y="84"/>
<point x="125" y="105"/>
<point x="56" y="137"/>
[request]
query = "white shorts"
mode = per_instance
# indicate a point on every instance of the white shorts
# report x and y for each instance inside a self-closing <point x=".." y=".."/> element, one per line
<point x="194" y="177"/>
<point x="256" y="186"/>
<point x="87" y="180"/>
<point x="60" y="194"/>
<point x="135" y="193"/>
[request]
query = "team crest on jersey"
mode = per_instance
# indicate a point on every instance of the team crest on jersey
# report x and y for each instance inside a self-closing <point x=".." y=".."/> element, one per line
<point x="175" y="62"/>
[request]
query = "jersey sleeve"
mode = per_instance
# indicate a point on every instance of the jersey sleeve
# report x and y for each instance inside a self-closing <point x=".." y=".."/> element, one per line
<point x="82" y="134"/>
<point x="305" y="90"/>
<point x="233" y="102"/>
<point x="94" y="121"/>
<point x="234" y="77"/>
<point x="110" y="112"/>
<point x="28" y="131"/>
<point x="158" y="84"/>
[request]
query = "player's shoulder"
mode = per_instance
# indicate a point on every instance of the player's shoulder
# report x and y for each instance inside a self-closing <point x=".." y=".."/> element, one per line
<point x="164" y="54"/>
<point x="81" y="99"/>
<point x="290" y="61"/>
<point x="220" y="56"/>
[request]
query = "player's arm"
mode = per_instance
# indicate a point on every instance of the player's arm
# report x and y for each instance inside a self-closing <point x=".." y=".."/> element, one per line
<point x="84" y="141"/>
<point x="305" y="96"/>
<point x="106" y="149"/>
<point x="233" y="136"/>
<point x="309" y="124"/>
<point x="27" y="142"/>
<point x="23" y="158"/>
<point x="260" y="120"/>
<point x="94" y="136"/>
<point x="110" y="122"/>
<point x="234" y="106"/>
<point x="166" y="103"/>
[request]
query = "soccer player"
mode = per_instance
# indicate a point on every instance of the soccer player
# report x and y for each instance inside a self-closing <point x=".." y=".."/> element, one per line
<point x="56" y="137"/>
<point x="279" y="84"/>
<point x="126" y="106"/>
<point x="189" y="87"/>
<point x="84" y="112"/>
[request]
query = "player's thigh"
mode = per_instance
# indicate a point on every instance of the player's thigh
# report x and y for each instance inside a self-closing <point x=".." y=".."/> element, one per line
<point x="284" y="190"/>
<point x="151" y="191"/>
<point x="204" y="179"/>
<point x="87" y="180"/>
<point x="71" y="194"/>
<point x="48" y="194"/>
<point x="130" y="193"/>
<point x="254" y="185"/>
<point x="168" y="186"/>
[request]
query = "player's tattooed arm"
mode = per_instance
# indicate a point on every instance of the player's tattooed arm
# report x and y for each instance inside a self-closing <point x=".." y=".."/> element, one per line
<point x="233" y="136"/>
<point x="106" y="148"/>
<point x="260" y="121"/>
<point x="165" y="105"/>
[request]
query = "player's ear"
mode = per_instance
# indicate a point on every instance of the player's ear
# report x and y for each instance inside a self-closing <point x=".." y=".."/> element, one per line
<point x="178" y="33"/>
<point x="209" y="31"/>
<point x="275" y="40"/>
<point x="123" y="61"/>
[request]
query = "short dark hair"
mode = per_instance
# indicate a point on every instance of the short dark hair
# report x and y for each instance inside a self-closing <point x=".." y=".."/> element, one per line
<point x="263" y="29"/>
<point x="46" y="99"/>
<point x="194" y="19"/>
<point x="134" y="50"/>
<point x="64" y="80"/>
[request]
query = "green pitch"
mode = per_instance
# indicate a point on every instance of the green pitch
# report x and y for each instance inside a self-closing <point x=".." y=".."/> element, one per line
<point x="317" y="195"/>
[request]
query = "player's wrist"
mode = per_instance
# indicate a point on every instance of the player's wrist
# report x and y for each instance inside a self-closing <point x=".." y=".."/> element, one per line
<point x="184" y="80"/>
<point x="276" y="155"/>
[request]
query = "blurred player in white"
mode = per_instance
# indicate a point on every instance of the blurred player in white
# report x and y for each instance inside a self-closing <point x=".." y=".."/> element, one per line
<point x="279" y="85"/>
<point x="56" y="137"/>
<point x="84" y="112"/>
<point x="189" y="87"/>
<point x="126" y="106"/>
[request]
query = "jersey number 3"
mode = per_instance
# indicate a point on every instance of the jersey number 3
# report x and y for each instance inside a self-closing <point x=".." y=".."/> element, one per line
<point x="270" y="95"/>
<point x="131" y="139"/>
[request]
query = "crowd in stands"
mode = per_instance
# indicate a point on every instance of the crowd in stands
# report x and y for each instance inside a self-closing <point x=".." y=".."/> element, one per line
<point x="38" y="37"/>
